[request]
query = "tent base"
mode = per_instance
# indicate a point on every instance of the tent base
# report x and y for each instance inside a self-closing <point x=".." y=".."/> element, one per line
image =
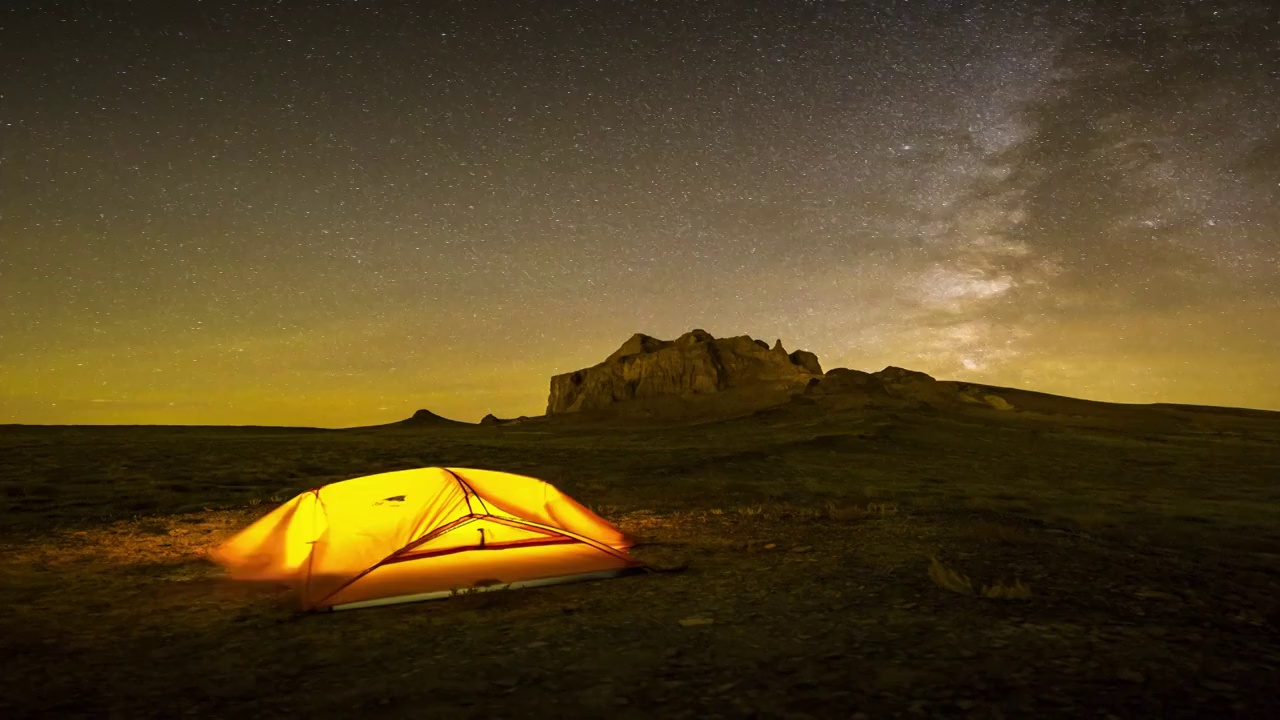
<point x="443" y="594"/>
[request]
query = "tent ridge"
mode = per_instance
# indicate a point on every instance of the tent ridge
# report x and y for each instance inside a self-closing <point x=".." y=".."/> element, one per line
<point x="311" y="556"/>
<point x="467" y="491"/>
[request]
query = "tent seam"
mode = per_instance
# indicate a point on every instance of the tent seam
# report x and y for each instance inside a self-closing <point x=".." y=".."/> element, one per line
<point x="311" y="556"/>
<point x="468" y="491"/>
<point x="429" y="536"/>
<point x="602" y="547"/>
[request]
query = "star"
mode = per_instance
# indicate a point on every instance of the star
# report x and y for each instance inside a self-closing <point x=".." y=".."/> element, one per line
<point x="337" y="217"/>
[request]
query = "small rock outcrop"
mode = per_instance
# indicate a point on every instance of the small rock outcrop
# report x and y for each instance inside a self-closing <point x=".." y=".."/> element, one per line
<point x="492" y="420"/>
<point x="839" y="381"/>
<point x="896" y="377"/>
<point x="426" y="418"/>
<point x="638" y="344"/>
<point x="901" y="385"/>
<point x="980" y="395"/>
<point x="806" y="360"/>
<point x="742" y="372"/>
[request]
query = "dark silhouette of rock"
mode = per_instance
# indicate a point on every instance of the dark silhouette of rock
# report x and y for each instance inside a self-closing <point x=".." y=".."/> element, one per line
<point x="422" y="416"/>
<point x="492" y="420"/>
<point x="639" y="343"/>
<point x="427" y="418"/>
<point x="806" y="360"/>
<point x="658" y="377"/>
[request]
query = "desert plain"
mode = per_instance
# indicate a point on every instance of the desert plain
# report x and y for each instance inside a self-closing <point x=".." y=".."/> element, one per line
<point x="1062" y="559"/>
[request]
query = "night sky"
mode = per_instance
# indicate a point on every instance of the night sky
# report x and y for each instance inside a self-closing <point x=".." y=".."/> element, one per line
<point x="336" y="213"/>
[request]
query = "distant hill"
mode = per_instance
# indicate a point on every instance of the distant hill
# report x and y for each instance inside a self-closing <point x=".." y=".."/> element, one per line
<point x="698" y="377"/>
<point x="426" y="418"/>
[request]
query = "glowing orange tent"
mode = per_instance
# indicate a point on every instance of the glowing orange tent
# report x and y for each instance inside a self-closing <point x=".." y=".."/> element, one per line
<point x="425" y="534"/>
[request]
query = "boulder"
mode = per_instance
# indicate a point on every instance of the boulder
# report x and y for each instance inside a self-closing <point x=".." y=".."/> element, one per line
<point x="739" y="372"/>
<point x="895" y="377"/>
<point x="920" y="388"/>
<point x="806" y="360"/>
<point x="843" y="380"/>
<point x="997" y="402"/>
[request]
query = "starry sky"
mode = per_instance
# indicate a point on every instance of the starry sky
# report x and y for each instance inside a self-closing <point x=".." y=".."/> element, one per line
<point x="335" y="213"/>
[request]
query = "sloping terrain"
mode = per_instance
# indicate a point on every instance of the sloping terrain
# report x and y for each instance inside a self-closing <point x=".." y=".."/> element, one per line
<point x="1134" y="556"/>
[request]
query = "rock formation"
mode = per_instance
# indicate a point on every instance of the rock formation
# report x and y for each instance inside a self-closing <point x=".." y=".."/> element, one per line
<point x="427" y="418"/>
<point x="699" y="376"/>
<point x="492" y="420"/>
<point x="662" y="377"/>
<point x="806" y="360"/>
<point x="898" y="385"/>
<point x="839" y="381"/>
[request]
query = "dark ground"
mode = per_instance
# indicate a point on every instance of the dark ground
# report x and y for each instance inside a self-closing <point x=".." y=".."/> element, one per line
<point x="1142" y="548"/>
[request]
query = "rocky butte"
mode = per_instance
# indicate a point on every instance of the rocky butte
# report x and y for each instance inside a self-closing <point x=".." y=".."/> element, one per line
<point x="699" y="376"/>
<point x="694" y="374"/>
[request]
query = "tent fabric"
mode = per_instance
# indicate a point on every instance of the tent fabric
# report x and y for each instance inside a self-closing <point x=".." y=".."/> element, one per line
<point x="430" y="530"/>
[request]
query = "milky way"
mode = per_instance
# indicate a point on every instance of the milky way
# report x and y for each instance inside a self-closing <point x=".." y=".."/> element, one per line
<point x="333" y="214"/>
